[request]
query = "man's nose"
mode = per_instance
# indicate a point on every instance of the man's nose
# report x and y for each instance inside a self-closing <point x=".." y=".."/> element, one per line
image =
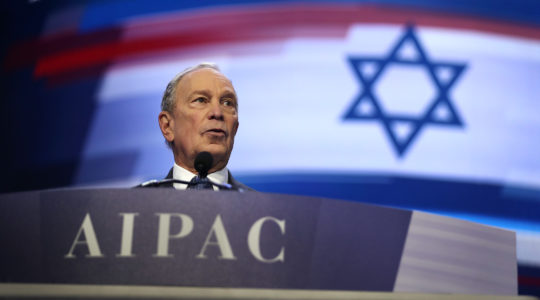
<point x="216" y="111"/>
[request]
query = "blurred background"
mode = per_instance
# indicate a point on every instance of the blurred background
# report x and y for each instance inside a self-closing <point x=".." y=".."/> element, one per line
<point x="425" y="105"/>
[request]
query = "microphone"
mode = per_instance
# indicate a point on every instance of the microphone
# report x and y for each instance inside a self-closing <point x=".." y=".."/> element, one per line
<point x="203" y="163"/>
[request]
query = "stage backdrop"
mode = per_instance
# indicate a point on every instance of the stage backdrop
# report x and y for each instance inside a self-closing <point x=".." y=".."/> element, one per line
<point x="426" y="105"/>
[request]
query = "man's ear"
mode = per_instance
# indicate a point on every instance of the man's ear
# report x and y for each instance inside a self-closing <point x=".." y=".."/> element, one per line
<point x="166" y="124"/>
<point x="236" y="127"/>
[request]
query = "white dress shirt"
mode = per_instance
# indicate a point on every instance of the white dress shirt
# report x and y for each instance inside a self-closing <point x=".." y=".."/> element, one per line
<point x="221" y="177"/>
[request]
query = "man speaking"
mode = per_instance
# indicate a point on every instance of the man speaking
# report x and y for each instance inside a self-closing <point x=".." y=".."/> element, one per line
<point x="199" y="115"/>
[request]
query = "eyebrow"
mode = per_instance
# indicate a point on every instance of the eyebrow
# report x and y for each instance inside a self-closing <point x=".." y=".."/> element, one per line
<point x="229" y="94"/>
<point x="200" y="92"/>
<point x="207" y="93"/>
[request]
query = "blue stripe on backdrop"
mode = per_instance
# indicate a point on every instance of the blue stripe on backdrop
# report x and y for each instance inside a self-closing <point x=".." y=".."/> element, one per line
<point x="109" y="166"/>
<point x="109" y="13"/>
<point x="46" y="130"/>
<point x="494" y="200"/>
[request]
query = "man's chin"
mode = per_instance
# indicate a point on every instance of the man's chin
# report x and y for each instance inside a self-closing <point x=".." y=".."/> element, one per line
<point x="217" y="151"/>
<point x="220" y="156"/>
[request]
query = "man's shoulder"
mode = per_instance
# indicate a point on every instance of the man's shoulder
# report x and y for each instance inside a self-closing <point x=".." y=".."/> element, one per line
<point x="170" y="174"/>
<point x="238" y="185"/>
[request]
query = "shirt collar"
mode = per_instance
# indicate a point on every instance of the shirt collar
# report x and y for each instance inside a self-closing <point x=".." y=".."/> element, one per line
<point x="221" y="177"/>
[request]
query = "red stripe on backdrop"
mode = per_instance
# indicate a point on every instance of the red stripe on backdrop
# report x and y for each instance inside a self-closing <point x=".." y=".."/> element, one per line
<point x="254" y="23"/>
<point x="27" y="53"/>
<point x="528" y="280"/>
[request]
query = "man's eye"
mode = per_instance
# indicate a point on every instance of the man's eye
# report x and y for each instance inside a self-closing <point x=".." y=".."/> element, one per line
<point x="228" y="102"/>
<point x="200" y="100"/>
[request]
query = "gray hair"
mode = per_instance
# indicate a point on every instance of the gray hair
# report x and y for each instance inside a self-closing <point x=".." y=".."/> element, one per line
<point x="169" y="96"/>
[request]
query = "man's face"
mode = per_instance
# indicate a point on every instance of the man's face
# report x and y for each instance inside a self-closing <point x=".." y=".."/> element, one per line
<point x="204" y="118"/>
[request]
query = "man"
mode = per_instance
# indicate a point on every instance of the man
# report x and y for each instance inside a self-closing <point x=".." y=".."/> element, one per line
<point x="200" y="113"/>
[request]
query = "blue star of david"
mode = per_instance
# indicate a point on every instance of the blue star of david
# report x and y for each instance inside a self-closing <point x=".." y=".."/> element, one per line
<point x="440" y="112"/>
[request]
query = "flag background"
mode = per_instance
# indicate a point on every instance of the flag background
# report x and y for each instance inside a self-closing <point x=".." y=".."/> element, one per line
<point x="82" y="83"/>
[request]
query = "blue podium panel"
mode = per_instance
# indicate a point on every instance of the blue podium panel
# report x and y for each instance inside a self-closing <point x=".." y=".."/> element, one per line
<point x="203" y="238"/>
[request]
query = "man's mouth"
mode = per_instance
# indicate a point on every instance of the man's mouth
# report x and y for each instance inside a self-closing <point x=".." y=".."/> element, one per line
<point x="216" y="131"/>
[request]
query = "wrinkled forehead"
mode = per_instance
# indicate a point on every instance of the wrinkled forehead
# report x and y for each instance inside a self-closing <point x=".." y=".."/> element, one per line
<point x="204" y="79"/>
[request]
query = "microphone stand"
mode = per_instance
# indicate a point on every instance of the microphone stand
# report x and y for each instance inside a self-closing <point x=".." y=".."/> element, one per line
<point x="158" y="183"/>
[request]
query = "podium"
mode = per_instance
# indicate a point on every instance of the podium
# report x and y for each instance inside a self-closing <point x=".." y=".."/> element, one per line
<point x="186" y="241"/>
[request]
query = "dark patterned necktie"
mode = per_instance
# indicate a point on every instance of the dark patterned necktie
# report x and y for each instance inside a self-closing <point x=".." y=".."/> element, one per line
<point x="197" y="183"/>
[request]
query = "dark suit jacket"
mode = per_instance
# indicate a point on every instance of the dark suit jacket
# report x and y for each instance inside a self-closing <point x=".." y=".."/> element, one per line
<point x="235" y="184"/>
